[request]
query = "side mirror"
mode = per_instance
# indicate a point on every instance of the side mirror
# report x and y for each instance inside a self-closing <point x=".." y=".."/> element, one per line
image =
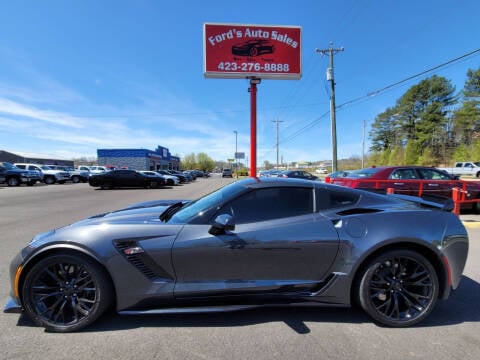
<point x="221" y="224"/>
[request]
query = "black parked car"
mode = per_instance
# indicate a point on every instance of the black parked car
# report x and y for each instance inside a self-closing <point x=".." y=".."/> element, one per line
<point x="299" y="174"/>
<point x="255" y="242"/>
<point x="124" y="178"/>
<point x="253" y="48"/>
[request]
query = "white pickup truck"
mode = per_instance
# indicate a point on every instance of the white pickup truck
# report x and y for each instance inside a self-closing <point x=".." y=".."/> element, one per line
<point x="464" y="168"/>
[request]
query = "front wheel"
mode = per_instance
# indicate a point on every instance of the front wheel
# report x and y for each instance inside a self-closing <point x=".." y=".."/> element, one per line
<point x="398" y="288"/>
<point x="49" y="180"/>
<point x="65" y="293"/>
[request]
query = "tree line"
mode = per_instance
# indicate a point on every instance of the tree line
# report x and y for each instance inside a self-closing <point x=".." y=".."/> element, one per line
<point x="429" y="125"/>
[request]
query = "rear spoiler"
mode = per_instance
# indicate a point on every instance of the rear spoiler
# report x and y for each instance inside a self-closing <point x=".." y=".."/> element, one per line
<point x="435" y="202"/>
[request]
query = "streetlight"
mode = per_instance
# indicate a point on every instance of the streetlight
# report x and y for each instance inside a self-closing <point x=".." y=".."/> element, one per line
<point x="236" y="164"/>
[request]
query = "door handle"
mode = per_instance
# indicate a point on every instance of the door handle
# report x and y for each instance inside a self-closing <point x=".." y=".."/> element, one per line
<point x="398" y="183"/>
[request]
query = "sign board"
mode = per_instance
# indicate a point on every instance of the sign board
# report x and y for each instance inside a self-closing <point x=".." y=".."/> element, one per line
<point x="246" y="51"/>
<point x="239" y="155"/>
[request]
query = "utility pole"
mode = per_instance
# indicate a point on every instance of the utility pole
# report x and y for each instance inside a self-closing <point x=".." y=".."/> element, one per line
<point x="277" y="124"/>
<point x="236" y="152"/>
<point x="363" y="145"/>
<point x="332" y="51"/>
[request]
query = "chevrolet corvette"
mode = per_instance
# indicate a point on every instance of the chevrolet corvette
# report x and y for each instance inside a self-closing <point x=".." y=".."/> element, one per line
<point x="253" y="243"/>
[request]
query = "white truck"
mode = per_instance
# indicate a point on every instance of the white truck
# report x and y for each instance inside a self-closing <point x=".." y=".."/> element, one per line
<point x="464" y="168"/>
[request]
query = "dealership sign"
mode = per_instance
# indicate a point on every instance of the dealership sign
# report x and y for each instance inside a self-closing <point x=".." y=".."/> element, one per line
<point x="252" y="51"/>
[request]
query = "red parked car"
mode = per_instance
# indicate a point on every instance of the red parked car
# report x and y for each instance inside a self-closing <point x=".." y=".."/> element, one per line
<point x="411" y="180"/>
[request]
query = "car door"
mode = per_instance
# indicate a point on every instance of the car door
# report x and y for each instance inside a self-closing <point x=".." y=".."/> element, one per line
<point x="404" y="181"/>
<point x="278" y="246"/>
<point x="436" y="183"/>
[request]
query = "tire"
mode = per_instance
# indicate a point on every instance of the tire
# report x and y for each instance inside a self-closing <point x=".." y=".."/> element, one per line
<point x="49" y="180"/>
<point x="253" y="51"/>
<point x="398" y="288"/>
<point x="65" y="293"/>
<point x="170" y="182"/>
<point x="106" y="185"/>
<point x="153" y="184"/>
<point x="75" y="179"/>
<point x="13" y="181"/>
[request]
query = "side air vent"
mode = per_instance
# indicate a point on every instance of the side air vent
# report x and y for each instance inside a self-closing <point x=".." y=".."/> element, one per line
<point x="358" y="211"/>
<point x="140" y="259"/>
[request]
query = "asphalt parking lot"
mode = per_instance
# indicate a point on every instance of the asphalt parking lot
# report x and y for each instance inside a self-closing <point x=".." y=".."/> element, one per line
<point x="451" y="332"/>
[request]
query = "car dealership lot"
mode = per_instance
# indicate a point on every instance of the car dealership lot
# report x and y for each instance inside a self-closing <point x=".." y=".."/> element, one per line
<point x="451" y="332"/>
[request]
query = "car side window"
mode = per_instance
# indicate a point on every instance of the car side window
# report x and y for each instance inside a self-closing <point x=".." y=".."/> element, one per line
<point x="404" y="174"/>
<point x="270" y="203"/>
<point x="432" y="174"/>
<point x="329" y="199"/>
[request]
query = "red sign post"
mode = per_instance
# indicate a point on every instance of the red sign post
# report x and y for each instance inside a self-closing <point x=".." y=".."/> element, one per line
<point x="252" y="52"/>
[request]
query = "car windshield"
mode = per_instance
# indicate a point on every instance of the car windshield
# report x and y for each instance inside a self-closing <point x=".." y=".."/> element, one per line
<point x="200" y="206"/>
<point x="8" y="166"/>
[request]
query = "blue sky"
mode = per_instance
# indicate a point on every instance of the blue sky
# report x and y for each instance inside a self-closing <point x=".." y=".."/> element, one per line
<point x="76" y="76"/>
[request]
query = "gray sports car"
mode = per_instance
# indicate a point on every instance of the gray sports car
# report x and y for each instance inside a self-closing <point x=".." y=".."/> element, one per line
<point x="255" y="242"/>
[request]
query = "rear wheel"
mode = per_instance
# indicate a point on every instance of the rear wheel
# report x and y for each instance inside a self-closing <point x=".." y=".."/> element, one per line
<point x="65" y="293"/>
<point x="49" y="180"/>
<point x="153" y="184"/>
<point x="75" y="179"/>
<point x="398" y="288"/>
<point x="13" y="181"/>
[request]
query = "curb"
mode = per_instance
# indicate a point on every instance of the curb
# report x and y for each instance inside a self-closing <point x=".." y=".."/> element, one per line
<point x="472" y="224"/>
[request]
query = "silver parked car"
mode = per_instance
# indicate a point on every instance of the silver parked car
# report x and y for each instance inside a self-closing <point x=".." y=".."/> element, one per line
<point x="255" y="242"/>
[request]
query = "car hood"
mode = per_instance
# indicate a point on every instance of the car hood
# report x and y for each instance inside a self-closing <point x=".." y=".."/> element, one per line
<point x="139" y="213"/>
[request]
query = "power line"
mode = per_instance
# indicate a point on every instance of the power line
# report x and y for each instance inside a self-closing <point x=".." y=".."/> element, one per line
<point x="376" y="92"/>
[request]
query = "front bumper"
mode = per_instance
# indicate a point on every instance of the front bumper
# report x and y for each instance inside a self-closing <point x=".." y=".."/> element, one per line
<point x="12" y="306"/>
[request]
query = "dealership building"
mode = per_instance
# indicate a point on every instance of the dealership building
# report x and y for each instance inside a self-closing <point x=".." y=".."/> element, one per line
<point x="139" y="159"/>
<point x="32" y="159"/>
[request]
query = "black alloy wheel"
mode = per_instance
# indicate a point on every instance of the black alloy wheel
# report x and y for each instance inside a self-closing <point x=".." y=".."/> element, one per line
<point x="153" y="184"/>
<point x="398" y="288"/>
<point x="65" y="293"/>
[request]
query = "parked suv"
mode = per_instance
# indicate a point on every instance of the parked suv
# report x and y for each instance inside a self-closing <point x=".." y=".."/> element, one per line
<point x="48" y="175"/>
<point x="13" y="176"/>
<point x="227" y="173"/>
<point x="75" y="175"/>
